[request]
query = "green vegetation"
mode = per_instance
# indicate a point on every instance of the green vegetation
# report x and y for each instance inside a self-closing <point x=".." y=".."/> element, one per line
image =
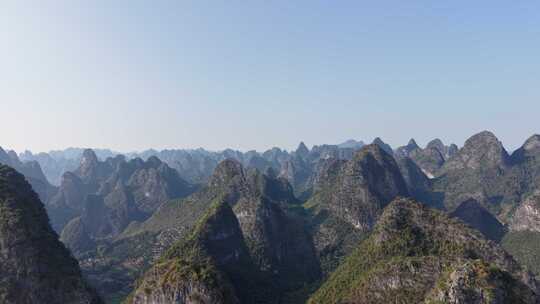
<point x="480" y="280"/>
<point x="409" y="250"/>
<point x="371" y="257"/>
<point x="524" y="246"/>
<point x="189" y="261"/>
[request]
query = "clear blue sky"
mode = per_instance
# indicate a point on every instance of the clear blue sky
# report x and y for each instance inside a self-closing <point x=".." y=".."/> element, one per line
<point x="255" y="74"/>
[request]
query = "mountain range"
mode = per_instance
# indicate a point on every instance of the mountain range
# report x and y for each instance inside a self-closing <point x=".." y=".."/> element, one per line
<point x="347" y="223"/>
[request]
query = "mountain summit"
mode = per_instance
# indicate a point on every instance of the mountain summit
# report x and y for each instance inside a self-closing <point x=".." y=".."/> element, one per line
<point x="481" y="150"/>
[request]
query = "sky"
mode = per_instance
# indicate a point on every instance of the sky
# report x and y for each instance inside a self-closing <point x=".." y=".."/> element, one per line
<point x="133" y="75"/>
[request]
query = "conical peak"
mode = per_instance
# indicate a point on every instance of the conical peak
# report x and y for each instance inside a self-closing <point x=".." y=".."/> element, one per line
<point x="480" y="150"/>
<point x="375" y="150"/>
<point x="302" y="149"/>
<point x="88" y="157"/>
<point x="386" y="147"/>
<point x="435" y="143"/>
<point x="230" y="167"/>
<point x="438" y="145"/>
<point x="378" y="140"/>
<point x="412" y="144"/>
<point x="483" y="137"/>
<point x="226" y="170"/>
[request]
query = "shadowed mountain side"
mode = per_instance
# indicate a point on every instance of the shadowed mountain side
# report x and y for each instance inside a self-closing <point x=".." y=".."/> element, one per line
<point x="35" y="267"/>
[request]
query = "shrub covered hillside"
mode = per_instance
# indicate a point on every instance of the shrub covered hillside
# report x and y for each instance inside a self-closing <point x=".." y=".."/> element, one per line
<point x="419" y="255"/>
<point x="211" y="265"/>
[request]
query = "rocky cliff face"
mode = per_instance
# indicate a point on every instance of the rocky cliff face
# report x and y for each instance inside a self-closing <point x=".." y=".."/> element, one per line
<point x="527" y="215"/>
<point x="357" y="191"/>
<point x="298" y="172"/>
<point x="419" y="255"/>
<point x="75" y="236"/>
<point x="525" y="170"/>
<point x="530" y="149"/>
<point x="479" y="282"/>
<point x="523" y="239"/>
<point x="34" y="266"/>
<point x="277" y="239"/>
<point x="349" y="199"/>
<point x="92" y="171"/>
<point x="479" y="170"/>
<point x="68" y="202"/>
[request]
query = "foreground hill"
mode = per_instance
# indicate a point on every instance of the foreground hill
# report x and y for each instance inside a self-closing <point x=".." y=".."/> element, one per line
<point x="34" y="266"/>
<point x="212" y="264"/>
<point x="419" y="255"/>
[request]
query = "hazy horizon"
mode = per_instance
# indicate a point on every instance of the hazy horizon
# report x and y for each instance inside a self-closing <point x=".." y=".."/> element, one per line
<point x="310" y="146"/>
<point x="130" y="76"/>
